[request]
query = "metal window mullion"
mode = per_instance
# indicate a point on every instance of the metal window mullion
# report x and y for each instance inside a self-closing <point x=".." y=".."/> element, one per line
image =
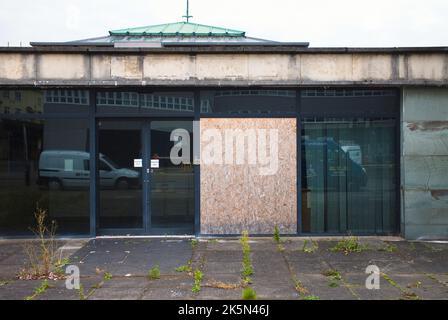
<point x="93" y="150"/>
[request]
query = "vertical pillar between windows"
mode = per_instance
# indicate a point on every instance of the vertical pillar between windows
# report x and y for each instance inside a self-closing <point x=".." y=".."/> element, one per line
<point x="299" y="160"/>
<point x="93" y="150"/>
<point x="196" y="166"/>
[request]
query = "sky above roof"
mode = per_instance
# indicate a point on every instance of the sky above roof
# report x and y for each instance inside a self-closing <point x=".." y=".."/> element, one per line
<point x="328" y="23"/>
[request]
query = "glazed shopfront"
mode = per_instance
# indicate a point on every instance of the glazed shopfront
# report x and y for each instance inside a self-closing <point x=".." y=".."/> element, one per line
<point x="328" y="141"/>
<point x="337" y="172"/>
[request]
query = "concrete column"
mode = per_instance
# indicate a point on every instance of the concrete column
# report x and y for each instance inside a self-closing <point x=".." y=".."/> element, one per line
<point x="425" y="163"/>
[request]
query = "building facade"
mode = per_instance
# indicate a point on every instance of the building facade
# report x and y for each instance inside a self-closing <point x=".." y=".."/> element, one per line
<point x="332" y="140"/>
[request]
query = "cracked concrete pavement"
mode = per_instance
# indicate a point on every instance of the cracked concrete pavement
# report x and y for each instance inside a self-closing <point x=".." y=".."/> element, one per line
<point x="409" y="270"/>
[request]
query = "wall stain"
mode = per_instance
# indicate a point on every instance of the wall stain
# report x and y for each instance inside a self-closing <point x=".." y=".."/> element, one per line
<point x="437" y="194"/>
<point x="428" y="126"/>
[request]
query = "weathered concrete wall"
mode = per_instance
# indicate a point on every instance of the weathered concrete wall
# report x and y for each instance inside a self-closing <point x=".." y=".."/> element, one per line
<point x="143" y="68"/>
<point x="425" y="163"/>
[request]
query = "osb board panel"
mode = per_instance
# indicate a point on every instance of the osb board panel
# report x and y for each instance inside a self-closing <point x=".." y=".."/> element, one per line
<point x="237" y="197"/>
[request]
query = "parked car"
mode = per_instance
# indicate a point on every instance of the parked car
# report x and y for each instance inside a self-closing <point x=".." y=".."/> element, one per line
<point x="61" y="169"/>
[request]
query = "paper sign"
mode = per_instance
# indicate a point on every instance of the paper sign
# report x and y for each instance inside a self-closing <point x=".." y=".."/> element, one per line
<point x="138" y="163"/>
<point x="155" y="163"/>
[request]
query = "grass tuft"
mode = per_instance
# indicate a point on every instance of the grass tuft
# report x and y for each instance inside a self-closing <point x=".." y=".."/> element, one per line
<point x="39" y="290"/>
<point x="198" y="276"/>
<point x="248" y="269"/>
<point x="154" y="273"/>
<point x="194" y="243"/>
<point x="249" y="294"/>
<point x="334" y="276"/>
<point x="185" y="268"/>
<point x="349" y="245"/>
<point x="310" y="249"/>
<point x="107" y="276"/>
<point x="277" y="238"/>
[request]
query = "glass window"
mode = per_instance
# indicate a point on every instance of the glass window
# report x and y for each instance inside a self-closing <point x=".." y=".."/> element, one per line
<point x="42" y="164"/>
<point x="177" y="103"/>
<point x="336" y="101"/>
<point x="172" y="184"/>
<point x="349" y="175"/>
<point x="44" y="101"/>
<point x="248" y="102"/>
<point x="120" y="195"/>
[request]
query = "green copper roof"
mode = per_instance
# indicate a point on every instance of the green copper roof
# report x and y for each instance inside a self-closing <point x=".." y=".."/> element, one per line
<point x="179" y="29"/>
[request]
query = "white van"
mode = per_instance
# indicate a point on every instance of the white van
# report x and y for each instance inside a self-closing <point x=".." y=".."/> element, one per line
<point x="66" y="169"/>
<point x="354" y="152"/>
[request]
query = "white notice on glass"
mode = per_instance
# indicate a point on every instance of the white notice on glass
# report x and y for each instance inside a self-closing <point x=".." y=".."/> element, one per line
<point x="138" y="163"/>
<point x="155" y="163"/>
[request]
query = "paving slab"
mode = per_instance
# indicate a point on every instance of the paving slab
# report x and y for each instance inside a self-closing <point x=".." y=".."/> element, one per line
<point x="357" y="283"/>
<point x="318" y="285"/>
<point x="59" y="291"/>
<point x="306" y="263"/>
<point x="179" y="288"/>
<point x="208" y="293"/>
<point x="18" y="289"/>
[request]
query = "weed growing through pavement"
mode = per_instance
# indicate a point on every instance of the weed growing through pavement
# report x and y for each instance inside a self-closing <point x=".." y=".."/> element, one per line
<point x="39" y="290"/>
<point x="248" y="269"/>
<point x="43" y="262"/>
<point x="313" y="247"/>
<point x="154" y="273"/>
<point x="300" y="288"/>
<point x="277" y="238"/>
<point x="185" y="268"/>
<point x="194" y="243"/>
<point x="248" y="294"/>
<point x="60" y="265"/>
<point x="334" y="276"/>
<point x="198" y="276"/>
<point x="107" y="276"/>
<point x="349" y="245"/>
<point x="81" y="293"/>
<point x="405" y="294"/>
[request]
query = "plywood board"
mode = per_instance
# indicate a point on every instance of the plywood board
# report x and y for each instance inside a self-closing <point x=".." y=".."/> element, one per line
<point x="244" y="195"/>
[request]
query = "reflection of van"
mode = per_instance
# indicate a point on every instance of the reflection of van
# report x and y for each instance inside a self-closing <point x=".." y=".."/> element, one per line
<point x="60" y="169"/>
<point x="339" y="164"/>
<point x="354" y="152"/>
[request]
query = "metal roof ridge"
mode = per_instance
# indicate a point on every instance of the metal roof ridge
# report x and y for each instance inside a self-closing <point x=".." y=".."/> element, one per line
<point x="181" y="24"/>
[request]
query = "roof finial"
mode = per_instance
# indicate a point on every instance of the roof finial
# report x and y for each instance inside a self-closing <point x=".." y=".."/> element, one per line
<point x="187" y="16"/>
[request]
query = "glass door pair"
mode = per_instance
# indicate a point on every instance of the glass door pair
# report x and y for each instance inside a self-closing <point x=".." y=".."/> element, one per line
<point x="146" y="177"/>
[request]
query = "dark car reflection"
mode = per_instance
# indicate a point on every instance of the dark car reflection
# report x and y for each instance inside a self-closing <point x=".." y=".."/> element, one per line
<point x="62" y="169"/>
<point x="326" y="159"/>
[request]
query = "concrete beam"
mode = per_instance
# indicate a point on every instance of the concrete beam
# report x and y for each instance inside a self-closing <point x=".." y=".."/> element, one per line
<point x="215" y="69"/>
